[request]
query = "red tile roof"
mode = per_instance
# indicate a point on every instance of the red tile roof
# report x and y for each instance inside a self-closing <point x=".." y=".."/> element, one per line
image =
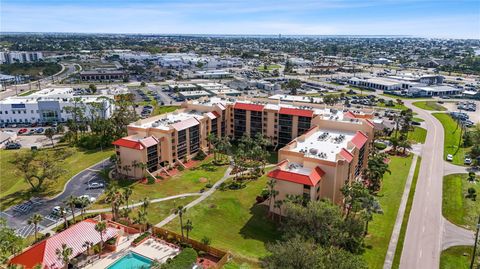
<point x="312" y="179"/>
<point x="74" y="237"/>
<point x="296" y="112"/>
<point x="359" y="139"/>
<point x="216" y="114"/>
<point x="371" y="124"/>
<point x="250" y="107"/>
<point x="346" y="155"/>
<point x="349" y="114"/>
<point x="127" y="143"/>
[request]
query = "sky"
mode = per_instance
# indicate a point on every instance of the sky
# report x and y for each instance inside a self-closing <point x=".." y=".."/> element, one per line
<point x="419" y="18"/>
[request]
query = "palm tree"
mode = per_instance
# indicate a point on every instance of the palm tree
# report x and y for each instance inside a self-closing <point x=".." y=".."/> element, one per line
<point x="64" y="254"/>
<point x="135" y="165"/>
<point x="179" y="211"/>
<point x="63" y="214"/>
<point x="212" y="139"/>
<point x="188" y="227"/>
<point x="278" y="204"/>
<point x="143" y="166"/>
<point x="35" y="220"/>
<point x="127" y="192"/>
<point x="83" y="202"/>
<point x="71" y="202"/>
<point x="101" y="227"/>
<point x="114" y="197"/>
<point x="88" y="245"/>
<point x="49" y="133"/>
<point x="271" y="191"/>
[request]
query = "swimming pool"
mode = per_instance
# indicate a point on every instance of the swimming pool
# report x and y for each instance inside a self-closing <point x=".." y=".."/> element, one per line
<point x="132" y="260"/>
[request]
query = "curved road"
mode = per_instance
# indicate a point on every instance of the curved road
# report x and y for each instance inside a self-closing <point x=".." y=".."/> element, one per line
<point x="423" y="238"/>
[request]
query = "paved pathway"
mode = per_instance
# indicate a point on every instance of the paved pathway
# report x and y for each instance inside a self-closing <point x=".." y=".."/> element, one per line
<point x="454" y="235"/>
<point x="450" y="168"/>
<point x="204" y="196"/>
<point x="392" y="246"/>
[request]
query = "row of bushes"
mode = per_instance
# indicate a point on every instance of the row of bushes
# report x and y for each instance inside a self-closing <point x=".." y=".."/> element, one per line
<point x="141" y="237"/>
<point x="185" y="260"/>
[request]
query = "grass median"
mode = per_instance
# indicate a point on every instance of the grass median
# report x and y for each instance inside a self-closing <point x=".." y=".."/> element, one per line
<point x="452" y="143"/>
<point x="429" y="105"/>
<point x="458" y="257"/>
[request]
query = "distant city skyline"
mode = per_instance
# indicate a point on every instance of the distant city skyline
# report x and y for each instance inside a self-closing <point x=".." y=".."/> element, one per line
<point x="418" y="18"/>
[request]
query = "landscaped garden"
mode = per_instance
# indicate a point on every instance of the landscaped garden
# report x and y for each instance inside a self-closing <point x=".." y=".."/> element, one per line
<point x="381" y="227"/>
<point x="191" y="180"/>
<point x="233" y="221"/>
<point x="458" y="257"/>
<point x="15" y="190"/>
<point x="453" y="138"/>
<point x="429" y="105"/>
<point x="460" y="205"/>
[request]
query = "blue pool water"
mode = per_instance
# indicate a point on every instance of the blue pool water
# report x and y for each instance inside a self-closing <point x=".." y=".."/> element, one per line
<point x="132" y="261"/>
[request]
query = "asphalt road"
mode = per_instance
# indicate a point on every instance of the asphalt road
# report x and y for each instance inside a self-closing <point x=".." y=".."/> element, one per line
<point x="423" y="238"/>
<point x="77" y="186"/>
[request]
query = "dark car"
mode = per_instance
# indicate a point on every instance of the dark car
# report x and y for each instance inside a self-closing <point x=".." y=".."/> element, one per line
<point x="13" y="145"/>
<point x="39" y="130"/>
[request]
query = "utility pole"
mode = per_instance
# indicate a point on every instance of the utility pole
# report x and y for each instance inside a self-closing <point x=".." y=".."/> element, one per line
<point x="475" y="246"/>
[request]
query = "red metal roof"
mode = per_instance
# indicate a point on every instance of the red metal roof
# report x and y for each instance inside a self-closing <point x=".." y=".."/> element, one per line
<point x="349" y="114"/>
<point x="250" y="107"/>
<point x="346" y="155"/>
<point x="216" y="114"/>
<point x="74" y="237"/>
<point x="312" y="179"/>
<point x="359" y="139"/>
<point x="296" y="112"/>
<point x="127" y="143"/>
<point x="371" y="124"/>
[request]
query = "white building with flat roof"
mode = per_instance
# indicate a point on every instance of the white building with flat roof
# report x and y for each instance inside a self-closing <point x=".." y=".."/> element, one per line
<point x="49" y="105"/>
<point x="11" y="57"/>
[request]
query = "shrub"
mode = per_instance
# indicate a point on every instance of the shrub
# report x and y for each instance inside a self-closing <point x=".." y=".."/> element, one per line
<point x="141" y="237"/>
<point x="209" y="185"/>
<point x="111" y="241"/>
<point x="150" y="180"/>
<point x="206" y="241"/>
<point x="184" y="260"/>
<point x="200" y="156"/>
<point x="380" y="146"/>
<point x="181" y="168"/>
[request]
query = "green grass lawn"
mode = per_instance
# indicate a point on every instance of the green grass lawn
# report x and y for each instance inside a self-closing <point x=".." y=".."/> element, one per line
<point x="418" y="135"/>
<point x="15" y="190"/>
<point x="400" y="97"/>
<point x="233" y="221"/>
<point x="429" y="105"/>
<point x="27" y="93"/>
<point x="452" y="138"/>
<point x="164" y="109"/>
<point x="269" y="67"/>
<point x="380" y="229"/>
<point x="159" y="211"/>
<point x="458" y="257"/>
<point x="408" y="208"/>
<point x="396" y="106"/>
<point x="186" y="181"/>
<point x="417" y="119"/>
<point x="457" y="208"/>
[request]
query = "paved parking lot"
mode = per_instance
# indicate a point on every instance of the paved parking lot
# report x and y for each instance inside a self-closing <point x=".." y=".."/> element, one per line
<point x="17" y="216"/>
<point x="473" y="116"/>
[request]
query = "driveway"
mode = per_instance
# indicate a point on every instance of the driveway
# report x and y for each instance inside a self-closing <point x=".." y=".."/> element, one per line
<point x="17" y="216"/>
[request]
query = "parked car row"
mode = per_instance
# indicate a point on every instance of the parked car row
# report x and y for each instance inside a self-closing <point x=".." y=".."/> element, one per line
<point x="467" y="106"/>
<point x="467" y="160"/>
<point x="24" y="125"/>
<point x="146" y="111"/>
<point x="31" y="131"/>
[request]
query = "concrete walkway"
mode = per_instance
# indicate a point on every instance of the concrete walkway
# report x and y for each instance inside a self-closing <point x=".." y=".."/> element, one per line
<point x="450" y="168"/>
<point x="204" y="196"/>
<point x="392" y="246"/>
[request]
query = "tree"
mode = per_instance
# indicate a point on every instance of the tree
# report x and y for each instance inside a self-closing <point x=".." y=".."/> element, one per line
<point x="324" y="223"/>
<point x="64" y="254"/>
<point x="278" y="204"/>
<point x="472" y="193"/>
<point x="11" y="243"/>
<point x="297" y="252"/>
<point x="71" y="202"/>
<point x="63" y="214"/>
<point x="49" y="133"/>
<point x="375" y="170"/>
<point x="101" y="227"/>
<point x="206" y="241"/>
<point x="142" y="84"/>
<point x="271" y="192"/>
<point x="83" y="202"/>
<point x="293" y="85"/>
<point x="38" y="167"/>
<point x="188" y="227"/>
<point x="35" y="219"/>
<point x="88" y="245"/>
<point x="180" y="210"/>
<point x="115" y="198"/>
<point x="92" y="88"/>
<point x="127" y="192"/>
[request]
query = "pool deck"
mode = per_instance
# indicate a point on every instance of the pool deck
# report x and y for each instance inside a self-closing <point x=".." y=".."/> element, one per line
<point x="151" y="248"/>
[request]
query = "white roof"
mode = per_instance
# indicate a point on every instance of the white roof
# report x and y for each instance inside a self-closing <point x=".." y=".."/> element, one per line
<point x="165" y="122"/>
<point x="324" y="144"/>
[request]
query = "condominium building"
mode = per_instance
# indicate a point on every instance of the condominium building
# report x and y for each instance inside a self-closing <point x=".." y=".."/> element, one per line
<point x="20" y="57"/>
<point x="170" y="139"/>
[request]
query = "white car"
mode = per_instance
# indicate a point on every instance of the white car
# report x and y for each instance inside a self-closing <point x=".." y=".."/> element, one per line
<point x="468" y="161"/>
<point x="57" y="210"/>
<point x="95" y="185"/>
<point x="88" y="197"/>
<point x="449" y="157"/>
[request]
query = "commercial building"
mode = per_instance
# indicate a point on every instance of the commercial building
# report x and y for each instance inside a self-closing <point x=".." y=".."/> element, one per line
<point x="20" y="57"/>
<point x="213" y="74"/>
<point x="49" y="105"/>
<point x="102" y="75"/>
<point x="188" y="95"/>
<point x="218" y="89"/>
<point x="429" y="91"/>
<point x="181" y="134"/>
